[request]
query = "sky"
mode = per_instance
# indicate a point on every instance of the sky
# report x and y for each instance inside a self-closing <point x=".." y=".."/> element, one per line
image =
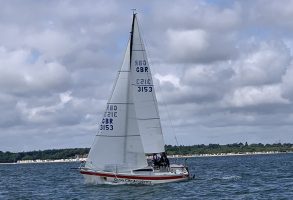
<point x="223" y="70"/>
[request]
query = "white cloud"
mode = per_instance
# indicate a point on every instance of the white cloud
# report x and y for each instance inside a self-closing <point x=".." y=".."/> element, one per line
<point x="65" y="97"/>
<point x="252" y="96"/>
<point x="169" y="78"/>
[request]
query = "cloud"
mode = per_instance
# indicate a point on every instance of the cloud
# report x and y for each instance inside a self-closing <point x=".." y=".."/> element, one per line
<point x="23" y="72"/>
<point x="224" y="68"/>
<point x="263" y="13"/>
<point x="252" y="96"/>
<point x="52" y="44"/>
<point x="188" y="15"/>
<point x="287" y="83"/>
<point x="186" y="44"/>
<point x="265" y="63"/>
<point x="43" y="113"/>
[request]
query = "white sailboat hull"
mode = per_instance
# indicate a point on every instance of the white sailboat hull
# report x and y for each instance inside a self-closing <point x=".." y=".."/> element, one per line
<point x="102" y="177"/>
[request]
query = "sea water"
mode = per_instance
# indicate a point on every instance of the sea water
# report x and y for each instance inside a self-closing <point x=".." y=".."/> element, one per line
<point x="227" y="177"/>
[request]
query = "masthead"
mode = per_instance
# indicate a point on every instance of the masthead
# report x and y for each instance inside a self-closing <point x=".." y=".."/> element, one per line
<point x="133" y="11"/>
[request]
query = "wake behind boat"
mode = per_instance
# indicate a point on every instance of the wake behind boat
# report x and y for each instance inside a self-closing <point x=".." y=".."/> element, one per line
<point x="131" y="128"/>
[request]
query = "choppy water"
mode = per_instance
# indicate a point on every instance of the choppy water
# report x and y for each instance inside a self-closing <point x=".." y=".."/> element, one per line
<point x="233" y="177"/>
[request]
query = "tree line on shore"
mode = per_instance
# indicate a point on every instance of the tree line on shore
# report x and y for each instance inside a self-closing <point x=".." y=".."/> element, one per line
<point x="228" y="148"/>
<point x="54" y="154"/>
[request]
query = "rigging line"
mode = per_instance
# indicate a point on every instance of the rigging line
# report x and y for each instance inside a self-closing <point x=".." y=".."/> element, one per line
<point x="151" y="118"/>
<point x="142" y="85"/>
<point x="118" y="136"/>
<point x="163" y="101"/>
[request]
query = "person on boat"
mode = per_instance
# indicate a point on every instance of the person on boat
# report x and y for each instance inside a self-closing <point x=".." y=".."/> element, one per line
<point x="156" y="161"/>
<point x="164" y="161"/>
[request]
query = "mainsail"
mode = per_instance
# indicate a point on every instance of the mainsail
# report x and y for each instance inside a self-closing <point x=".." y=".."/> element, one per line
<point x="130" y="126"/>
<point x="117" y="145"/>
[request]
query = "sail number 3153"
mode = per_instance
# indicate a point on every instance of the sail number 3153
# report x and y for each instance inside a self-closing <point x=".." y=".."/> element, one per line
<point x="145" y="88"/>
<point x="106" y="127"/>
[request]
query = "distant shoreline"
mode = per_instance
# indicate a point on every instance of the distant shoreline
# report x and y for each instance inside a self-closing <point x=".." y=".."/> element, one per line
<point x="170" y="156"/>
<point x="46" y="161"/>
<point x="200" y="150"/>
<point x="228" y="154"/>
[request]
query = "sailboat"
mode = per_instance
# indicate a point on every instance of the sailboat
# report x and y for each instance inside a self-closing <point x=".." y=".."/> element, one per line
<point x="130" y="128"/>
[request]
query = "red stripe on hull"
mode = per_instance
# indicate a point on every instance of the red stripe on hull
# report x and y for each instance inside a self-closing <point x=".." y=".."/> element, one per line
<point x="134" y="177"/>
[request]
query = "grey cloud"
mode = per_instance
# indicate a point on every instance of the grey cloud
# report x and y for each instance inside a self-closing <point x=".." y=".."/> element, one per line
<point x="22" y="72"/>
<point x="271" y="15"/>
<point x="266" y="63"/>
<point x="223" y="69"/>
<point x="287" y="83"/>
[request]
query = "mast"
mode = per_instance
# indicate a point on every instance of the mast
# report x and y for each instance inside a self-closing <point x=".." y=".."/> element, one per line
<point x="128" y="86"/>
<point x="131" y="36"/>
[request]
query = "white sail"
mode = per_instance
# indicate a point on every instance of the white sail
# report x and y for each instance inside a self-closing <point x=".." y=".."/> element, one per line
<point x="131" y="127"/>
<point x="144" y="96"/>
<point x="118" y="146"/>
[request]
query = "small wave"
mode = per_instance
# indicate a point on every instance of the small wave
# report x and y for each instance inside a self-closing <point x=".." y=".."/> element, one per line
<point x="231" y="177"/>
<point x="118" y="183"/>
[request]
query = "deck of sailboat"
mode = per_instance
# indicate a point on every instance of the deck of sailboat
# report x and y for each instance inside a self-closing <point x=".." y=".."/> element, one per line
<point x="136" y="176"/>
